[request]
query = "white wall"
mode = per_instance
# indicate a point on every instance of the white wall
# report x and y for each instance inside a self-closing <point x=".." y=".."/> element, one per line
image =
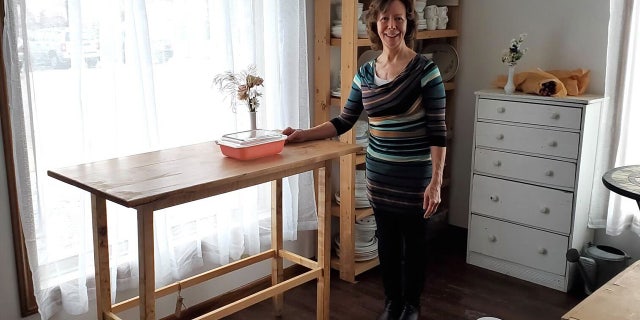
<point x="564" y="34"/>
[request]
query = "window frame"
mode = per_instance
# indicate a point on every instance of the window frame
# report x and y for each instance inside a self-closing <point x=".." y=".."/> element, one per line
<point x="28" y="304"/>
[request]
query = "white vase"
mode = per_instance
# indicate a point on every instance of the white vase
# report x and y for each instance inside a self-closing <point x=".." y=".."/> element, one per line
<point x="509" y="87"/>
<point x="252" y="120"/>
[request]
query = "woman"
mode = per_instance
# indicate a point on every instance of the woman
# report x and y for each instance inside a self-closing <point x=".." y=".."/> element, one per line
<point x="404" y="98"/>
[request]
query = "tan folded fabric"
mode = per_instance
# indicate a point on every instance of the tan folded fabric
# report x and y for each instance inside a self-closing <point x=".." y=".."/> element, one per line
<point x="535" y="81"/>
<point x="555" y="83"/>
<point x="542" y="83"/>
<point x="576" y="81"/>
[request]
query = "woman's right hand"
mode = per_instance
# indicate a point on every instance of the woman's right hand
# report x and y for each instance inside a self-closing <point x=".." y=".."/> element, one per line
<point x="294" y="135"/>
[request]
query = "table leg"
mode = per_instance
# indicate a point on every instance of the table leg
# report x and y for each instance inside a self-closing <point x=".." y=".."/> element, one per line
<point x="277" y="273"/>
<point x="347" y="218"/>
<point x="146" y="264"/>
<point x="324" y="241"/>
<point x="101" y="255"/>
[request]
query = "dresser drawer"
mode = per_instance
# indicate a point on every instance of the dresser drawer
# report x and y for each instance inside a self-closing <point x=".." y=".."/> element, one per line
<point x="535" y="169"/>
<point x="523" y="203"/>
<point x="529" y="247"/>
<point x="539" y="114"/>
<point x="539" y="141"/>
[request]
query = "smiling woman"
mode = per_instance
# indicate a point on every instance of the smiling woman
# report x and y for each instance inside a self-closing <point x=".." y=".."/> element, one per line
<point x="99" y="109"/>
<point x="402" y="95"/>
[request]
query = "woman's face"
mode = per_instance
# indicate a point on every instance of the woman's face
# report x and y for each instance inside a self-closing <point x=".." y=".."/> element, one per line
<point x="392" y="25"/>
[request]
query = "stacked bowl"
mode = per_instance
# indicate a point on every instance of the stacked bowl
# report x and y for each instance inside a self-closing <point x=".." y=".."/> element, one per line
<point x="336" y="24"/>
<point x="420" y="16"/>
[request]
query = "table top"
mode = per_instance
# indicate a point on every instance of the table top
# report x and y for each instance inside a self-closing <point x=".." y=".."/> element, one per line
<point x="190" y="172"/>
<point x="624" y="181"/>
<point x="615" y="300"/>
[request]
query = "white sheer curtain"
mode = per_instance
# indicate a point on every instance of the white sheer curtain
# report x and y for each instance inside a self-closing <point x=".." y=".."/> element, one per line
<point x="150" y="89"/>
<point x="619" y="128"/>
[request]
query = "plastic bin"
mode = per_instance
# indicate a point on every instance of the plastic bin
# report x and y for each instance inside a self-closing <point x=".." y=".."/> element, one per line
<point x="252" y="144"/>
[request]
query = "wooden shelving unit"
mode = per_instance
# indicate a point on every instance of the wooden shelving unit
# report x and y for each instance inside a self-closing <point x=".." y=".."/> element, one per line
<point x="350" y="47"/>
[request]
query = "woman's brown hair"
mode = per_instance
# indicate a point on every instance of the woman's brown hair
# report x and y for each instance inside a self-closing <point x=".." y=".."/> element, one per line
<point x="379" y="6"/>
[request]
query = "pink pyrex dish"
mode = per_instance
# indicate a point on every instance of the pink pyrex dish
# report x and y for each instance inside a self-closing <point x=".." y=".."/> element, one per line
<point x="252" y="144"/>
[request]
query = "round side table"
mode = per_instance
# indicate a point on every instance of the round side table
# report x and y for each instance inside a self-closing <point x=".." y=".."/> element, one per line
<point x="624" y="181"/>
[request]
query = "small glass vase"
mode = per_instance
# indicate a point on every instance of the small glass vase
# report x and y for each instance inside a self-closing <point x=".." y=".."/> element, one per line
<point x="509" y="87"/>
<point x="252" y="120"/>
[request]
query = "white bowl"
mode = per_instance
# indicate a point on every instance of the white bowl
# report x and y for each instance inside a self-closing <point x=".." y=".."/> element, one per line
<point x="336" y="31"/>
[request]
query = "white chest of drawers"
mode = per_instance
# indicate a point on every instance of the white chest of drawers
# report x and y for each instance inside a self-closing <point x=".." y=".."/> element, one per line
<point x="532" y="175"/>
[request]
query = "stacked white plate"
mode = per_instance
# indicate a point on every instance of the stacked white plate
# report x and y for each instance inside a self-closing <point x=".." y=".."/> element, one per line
<point x="362" y="133"/>
<point x="361" y="200"/>
<point x="365" y="229"/>
<point x="362" y="251"/>
<point x="366" y="243"/>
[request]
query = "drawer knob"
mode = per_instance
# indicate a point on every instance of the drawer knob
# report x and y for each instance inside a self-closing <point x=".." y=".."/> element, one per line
<point x="549" y="173"/>
<point x="555" y="116"/>
<point x="497" y="163"/>
<point x="553" y="143"/>
<point x="494" y="198"/>
<point x="493" y="238"/>
<point x="500" y="136"/>
<point x="544" y="210"/>
<point x="542" y="251"/>
<point x="501" y="110"/>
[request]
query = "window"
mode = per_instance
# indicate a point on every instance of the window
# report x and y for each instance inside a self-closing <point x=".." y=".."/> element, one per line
<point x="616" y="145"/>
<point x="93" y="80"/>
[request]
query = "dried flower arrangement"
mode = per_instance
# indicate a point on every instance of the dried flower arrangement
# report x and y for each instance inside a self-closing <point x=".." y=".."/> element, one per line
<point x="241" y="86"/>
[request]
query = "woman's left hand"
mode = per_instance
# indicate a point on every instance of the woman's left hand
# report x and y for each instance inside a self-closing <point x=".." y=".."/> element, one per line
<point x="431" y="199"/>
<point x="293" y="135"/>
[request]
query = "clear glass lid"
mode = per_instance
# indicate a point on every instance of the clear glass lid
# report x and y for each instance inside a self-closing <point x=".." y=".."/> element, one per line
<point x="253" y="137"/>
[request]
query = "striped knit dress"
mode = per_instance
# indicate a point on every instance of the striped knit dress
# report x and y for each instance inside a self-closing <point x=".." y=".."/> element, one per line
<point x="406" y="117"/>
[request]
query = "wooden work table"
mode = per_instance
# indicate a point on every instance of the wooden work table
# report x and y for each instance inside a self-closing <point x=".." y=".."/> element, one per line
<point x="615" y="300"/>
<point x="155" y="180"/>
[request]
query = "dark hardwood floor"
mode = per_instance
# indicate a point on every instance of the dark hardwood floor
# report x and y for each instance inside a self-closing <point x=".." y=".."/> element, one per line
<point x="453" y="290"/>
